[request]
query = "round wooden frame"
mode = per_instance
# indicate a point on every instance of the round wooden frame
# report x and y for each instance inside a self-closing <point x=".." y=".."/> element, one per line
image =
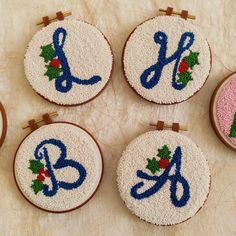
<point x="211" y="113"/>
<point x="109" y="79"/>
<point x="4" y="124"/>
<point x="127" y="80"/>
<point x="72" y="209"/>
<point x="168" y="225"/>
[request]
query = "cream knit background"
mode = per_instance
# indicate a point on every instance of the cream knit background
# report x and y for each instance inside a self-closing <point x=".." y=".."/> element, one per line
<point x="115" y="118"/>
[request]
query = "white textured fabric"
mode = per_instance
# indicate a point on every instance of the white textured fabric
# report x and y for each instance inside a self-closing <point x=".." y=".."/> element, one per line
<point x="87" y="52"/>
<point x="141" y="52"/>
<point x="80" y="147"/>
<point x="158" y="208"/>
<point x="115" y="118"/>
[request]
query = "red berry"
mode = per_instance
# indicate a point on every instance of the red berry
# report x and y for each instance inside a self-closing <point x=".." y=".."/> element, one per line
<point x="163" y="163"/>
<point x="40" y="177"/>
<point x="41" y="171"/>
<point x="183" y="66"/>
<point x="55" y="63"/>
<point x="46" y="173"/>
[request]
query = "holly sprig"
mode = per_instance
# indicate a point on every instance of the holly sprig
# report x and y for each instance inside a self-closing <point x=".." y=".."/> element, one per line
<point x="52" y="72"/>
<point x="47" y="52"/>
<point x="37" y="167"/>
<point x="153" y="165"/>
<point x="37" y="186"/>
<point x="53" y="64"/>
<point x="164" y="152"/>
<point x="187" y="63"/>
<point x="232" y="133"/>
<point x="164" y="155"/>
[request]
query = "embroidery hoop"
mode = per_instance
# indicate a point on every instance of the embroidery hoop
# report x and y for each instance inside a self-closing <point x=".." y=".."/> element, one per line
<point x="4" y="124"/>
<point x="32" y="124"/>
<point x="175" y="127"/>
<point x="61" y="16"/>
<point x="169" y="11"/>
<point x="212" y="113"/>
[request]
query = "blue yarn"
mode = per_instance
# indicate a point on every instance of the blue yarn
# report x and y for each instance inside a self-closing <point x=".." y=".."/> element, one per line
<point x="161" y="39"/>
<point x="41" y="152"/>
<point x="65" y="81"/>
<point x="161" y="181"/>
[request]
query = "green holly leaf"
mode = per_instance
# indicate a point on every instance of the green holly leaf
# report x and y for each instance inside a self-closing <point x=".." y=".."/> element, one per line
<point x="52" y="72"/>
<point x="48" y="52"/>
<point x="152" y="165"/>
<point x="233" y="128"/>
<point x="37" y="186"/>
<point x="192" y="59"/>
<point x="35" y="166"/>
<point x="184" y="78"/>
<point x="164" y="152"/>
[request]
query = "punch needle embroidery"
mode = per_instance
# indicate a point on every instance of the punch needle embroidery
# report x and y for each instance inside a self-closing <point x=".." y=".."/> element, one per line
<point x="48" y="169"/>
<point x="163" y="176"/>
<point x="57" y="66"/>
<point x="165" y="162"/>
<point x="186" y="67"/>
<point x="166" y="59"/>
<point x="151" y="76"/>
<point x="58" y="167"/>
<point x="37" y="167"/>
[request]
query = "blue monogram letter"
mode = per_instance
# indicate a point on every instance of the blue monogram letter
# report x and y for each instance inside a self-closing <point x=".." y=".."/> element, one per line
<point x="41" y="152"/>
<point x="154" y="71"/>
<point x="159" y="181"/>
<point x="65" y="81"/>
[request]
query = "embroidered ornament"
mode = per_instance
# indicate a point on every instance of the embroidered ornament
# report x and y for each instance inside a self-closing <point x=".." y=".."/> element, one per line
<point x="163" y="177"/>
<point x="223" y="111"/>
<point x="68" y="62"/>
<point x="3" y="124"/>
<point x="58" y="167"/>
<point x="166" y="59"/>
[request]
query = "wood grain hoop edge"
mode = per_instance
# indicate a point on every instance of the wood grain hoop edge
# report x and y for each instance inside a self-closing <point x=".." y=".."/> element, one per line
<point x="211" y="113"/>
<point x="127" y="80"/>
<point x="95" y="96"/>
<point x="87" y="200"/>
<point x="4" y="124"/>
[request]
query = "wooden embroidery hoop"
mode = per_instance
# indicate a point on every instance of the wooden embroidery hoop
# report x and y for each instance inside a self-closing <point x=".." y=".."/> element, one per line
<point x="47" y="120"/>
<point x="169" y="11"/>
<point x="46" y="20"/>
<point x="4" y="124"/>
<point x="213" y="119"/>
<point x="175" y="127"/>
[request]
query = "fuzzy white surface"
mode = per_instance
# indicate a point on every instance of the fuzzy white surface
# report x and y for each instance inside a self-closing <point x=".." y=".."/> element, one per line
<point x="80" y="147"/>
<point x="141" y="52"/>
<point x="158" y="208"/>
<point x="115" y="118"/>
